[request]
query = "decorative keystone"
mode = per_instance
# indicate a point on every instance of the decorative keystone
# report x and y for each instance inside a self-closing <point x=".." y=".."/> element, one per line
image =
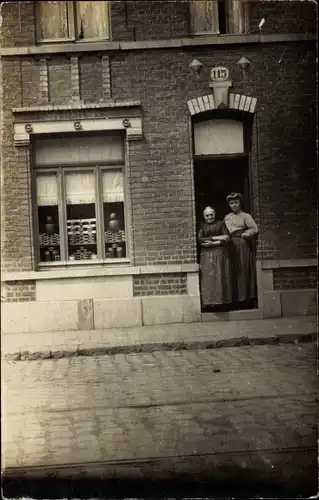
<point x="28" y="128"/>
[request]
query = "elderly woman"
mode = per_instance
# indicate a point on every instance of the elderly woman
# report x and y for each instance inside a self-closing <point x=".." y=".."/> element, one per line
<point x="243" y="232"/>
<point x="214" y="262"/>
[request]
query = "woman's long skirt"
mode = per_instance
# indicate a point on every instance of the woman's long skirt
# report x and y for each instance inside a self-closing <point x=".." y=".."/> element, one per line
<point x="215" y="276"/>
<point x="243" y="262"/>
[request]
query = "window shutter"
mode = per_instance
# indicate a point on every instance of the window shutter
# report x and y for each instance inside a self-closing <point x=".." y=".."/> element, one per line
<point x="93" y="19"/>
<point x="52" y="20"/>
<point x="204" y="16"/>
<point x="236" y="16"/>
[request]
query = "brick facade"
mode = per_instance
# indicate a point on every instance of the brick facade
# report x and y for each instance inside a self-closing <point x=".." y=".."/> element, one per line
<point x="160" y="284"/>
<point x="295" y="278"/>
<point x="281" y="76"/>
<point x="18" y="291"/>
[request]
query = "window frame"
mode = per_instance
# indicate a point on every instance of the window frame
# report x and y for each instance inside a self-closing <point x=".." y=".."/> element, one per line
<point x="97" y="169"/>
<point x="73" y="27"/>
<point x="245" y="21"/>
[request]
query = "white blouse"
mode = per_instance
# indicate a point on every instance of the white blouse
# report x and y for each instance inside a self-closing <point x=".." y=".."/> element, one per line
<point x="241" y="221"/>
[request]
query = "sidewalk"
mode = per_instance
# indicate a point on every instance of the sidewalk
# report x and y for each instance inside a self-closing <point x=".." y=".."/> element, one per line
<point x="25" y="346"/>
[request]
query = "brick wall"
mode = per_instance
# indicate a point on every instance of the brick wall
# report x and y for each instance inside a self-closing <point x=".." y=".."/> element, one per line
<point x="18" y="24"/>
<point x="295" y="278"/>
<point x="91" y="84"/>
<point x="18" y="291"/>
<point x="160" y="284"/>
<point x="16" y="230"/>
<point x="282" y="77"/>
<point x="157" y="19"/>
<point x="283" y="16"/>
<point x="59" y="79"/>
<point x="160" y="176"/>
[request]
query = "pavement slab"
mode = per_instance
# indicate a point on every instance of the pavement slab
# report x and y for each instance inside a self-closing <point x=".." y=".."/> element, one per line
<point x="191" y="336"/>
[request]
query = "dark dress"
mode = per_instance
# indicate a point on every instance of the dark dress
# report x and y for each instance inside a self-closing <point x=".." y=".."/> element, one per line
<point x="214" y="267"/>
<point x="242" y="254"/>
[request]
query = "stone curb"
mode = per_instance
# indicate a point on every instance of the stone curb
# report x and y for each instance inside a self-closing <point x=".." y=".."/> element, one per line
<point x="28" y="355"/>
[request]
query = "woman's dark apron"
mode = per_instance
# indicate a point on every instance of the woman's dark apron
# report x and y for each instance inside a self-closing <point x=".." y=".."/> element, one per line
<point x="243" y="264"/>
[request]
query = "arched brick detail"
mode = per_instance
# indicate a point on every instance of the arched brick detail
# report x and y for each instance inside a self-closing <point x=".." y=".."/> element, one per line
<point x="240" y="102"/>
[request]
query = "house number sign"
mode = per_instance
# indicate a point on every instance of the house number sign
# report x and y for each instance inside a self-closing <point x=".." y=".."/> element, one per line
<point x="219" y="74"/>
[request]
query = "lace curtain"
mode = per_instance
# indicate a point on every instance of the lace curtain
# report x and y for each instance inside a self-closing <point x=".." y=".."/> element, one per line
<point x="47" y="190"/>
<point x="79" y="188"/>
<point x="113" y="186"/>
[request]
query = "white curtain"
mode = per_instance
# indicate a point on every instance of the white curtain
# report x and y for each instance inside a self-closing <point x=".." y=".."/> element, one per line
<point x="47" y="190"/>
<point x="204" y="16"/>
<point x="113" y="186"/>
<point x="79" y="188"/>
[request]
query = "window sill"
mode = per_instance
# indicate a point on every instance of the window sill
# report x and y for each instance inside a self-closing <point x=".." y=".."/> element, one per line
<point x="80" y="264"/>
<point x="113" y="269"/>
<point x="194" y="40"/>
<point x="57" y="41"/>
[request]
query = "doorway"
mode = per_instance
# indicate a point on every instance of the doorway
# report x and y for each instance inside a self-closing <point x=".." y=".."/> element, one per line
<point x="214" y="178"/>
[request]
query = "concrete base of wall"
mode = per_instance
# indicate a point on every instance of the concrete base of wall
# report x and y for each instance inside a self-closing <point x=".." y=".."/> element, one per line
<point x="107" y="302"/>
<point x="90" y="314"/>
<point x="299" y="302"/>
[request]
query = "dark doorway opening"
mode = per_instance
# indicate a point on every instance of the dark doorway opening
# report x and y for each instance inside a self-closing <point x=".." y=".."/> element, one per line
<point x="214" y="178"/>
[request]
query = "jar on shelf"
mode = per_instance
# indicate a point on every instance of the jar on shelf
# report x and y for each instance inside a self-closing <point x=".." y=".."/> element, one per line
<point x="119" y="252"/>
<point x="113" y="251"/>
<point x="49" y="226"/>
<point x="47" y="256"/>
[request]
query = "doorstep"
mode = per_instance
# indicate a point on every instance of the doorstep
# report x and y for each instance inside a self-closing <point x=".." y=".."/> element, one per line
<point x="205" y="335"/>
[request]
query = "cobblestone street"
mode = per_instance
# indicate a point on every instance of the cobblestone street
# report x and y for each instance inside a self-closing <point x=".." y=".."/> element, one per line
<point x="241" y="402"/>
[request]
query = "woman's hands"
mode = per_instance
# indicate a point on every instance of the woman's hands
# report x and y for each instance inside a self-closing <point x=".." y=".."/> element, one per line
<point x="210" y="243"/>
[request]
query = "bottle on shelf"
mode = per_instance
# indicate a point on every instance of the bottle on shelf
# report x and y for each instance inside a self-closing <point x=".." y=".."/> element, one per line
<point x="119" y="252"/>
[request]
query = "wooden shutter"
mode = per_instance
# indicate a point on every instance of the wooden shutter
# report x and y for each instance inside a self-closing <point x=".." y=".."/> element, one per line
<point x="54" y="20"/>
<point x="93" y="20"/>
<point x="236" y="11"/>
<point x="204" y="16"/>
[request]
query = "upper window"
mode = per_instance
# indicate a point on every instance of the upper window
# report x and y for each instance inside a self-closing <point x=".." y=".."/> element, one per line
<point x="218" y="16"/>
<point x="79" y="200"/>
<point x="60" y="21"/>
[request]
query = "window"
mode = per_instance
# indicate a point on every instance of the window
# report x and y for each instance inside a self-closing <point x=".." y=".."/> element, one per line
<point x="218" y="16"/>
<point x="80" y="199"/>
<point x="60" y="21"/>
